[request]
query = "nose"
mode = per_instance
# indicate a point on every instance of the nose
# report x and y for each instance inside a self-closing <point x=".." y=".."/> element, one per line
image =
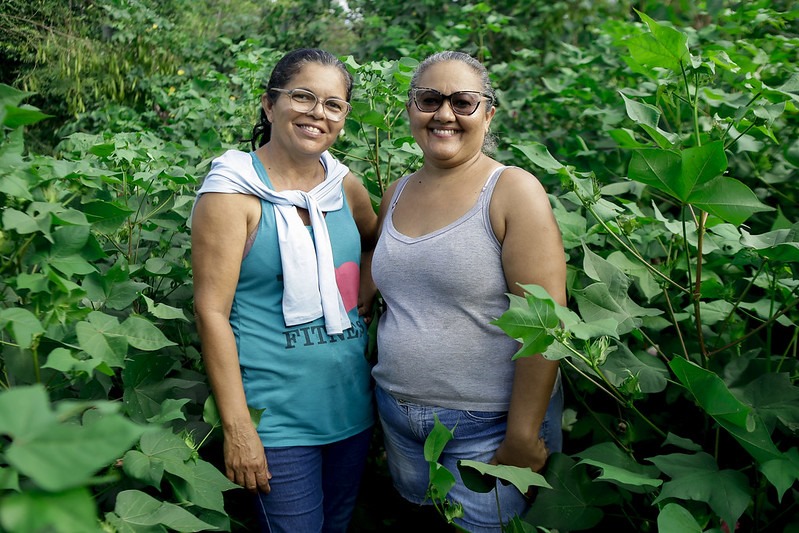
<point x="445" y="112"/>
<point x="318" y="110"/>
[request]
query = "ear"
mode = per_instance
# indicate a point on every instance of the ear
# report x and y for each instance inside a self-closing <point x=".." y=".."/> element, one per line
<point x="267" y="106"/>
<point x="489" y="117"/>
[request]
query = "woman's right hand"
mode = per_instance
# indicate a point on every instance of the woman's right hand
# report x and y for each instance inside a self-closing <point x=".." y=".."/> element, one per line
<point x="245" y="460"/>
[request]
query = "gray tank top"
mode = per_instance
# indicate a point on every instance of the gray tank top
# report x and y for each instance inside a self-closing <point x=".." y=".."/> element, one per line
<point x="436" y="345"/>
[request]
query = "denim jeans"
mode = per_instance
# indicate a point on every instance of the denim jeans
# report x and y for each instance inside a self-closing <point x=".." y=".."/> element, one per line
<point x="477" y="435"/>
<point x="314" y="488"/>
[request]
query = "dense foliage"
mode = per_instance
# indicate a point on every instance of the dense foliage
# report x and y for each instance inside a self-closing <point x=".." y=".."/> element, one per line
<point x="666" y="136"/>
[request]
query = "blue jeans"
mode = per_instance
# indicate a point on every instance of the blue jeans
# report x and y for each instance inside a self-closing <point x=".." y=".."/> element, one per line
<point x="477" y="435"/>
<point x="314" y="488"/>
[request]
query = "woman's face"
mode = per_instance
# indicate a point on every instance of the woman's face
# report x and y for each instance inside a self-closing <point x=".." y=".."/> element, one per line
<point x="446" y="138"/>
<point x="310" y="132"/>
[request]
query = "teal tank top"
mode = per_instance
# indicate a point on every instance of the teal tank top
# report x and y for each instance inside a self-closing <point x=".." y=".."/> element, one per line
<point x="314" y="388"/>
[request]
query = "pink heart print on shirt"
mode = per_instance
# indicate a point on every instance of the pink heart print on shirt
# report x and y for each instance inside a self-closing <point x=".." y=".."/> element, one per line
<point x="348" y="279"/>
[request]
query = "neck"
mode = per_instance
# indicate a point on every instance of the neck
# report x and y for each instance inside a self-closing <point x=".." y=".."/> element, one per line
<point x="291" y="171"/>
<point x="473" y="166"/>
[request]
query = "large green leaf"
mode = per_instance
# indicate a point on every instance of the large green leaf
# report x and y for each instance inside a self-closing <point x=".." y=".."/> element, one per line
<point x="647" y="116"/>
<point x="649" y="373"/>
<point x="96" y="336"/>
<point x="775" y="398"/>
<point x="66" y="511"/>
<point x="22" y="324"/>
<point x="441" y="480"/>
<point x="574" y="502"/>
<point x="435" y="442"/>
<point x="675" y="518"/>
<point x="139" y="509"/>
<point x="142" y="334"/>
<point x="712" y="393"/>
<point x="539" y="155"/>
<point x="658" y="168"/>
<point x="145" y="468"/>
<point x="663" y="47"/>
<point x="25" y="412"/>
<point x="619" y="468"/>
<point x="202" y="484"/>
<point x="778" y="245"/>
<point x="783" y="472"/>
<point x="521" y="478"/>
<point x="728" y="199"/>
<point x="68" y="455"/>
<point x="697" y="477"/>
<point x="530" y="324"/>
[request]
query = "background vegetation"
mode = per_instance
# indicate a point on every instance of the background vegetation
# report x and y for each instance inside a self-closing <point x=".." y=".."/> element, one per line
<point x="666" y="133"/>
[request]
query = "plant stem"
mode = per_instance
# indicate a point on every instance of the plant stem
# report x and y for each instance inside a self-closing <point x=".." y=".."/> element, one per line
<point x="633" y="251"/>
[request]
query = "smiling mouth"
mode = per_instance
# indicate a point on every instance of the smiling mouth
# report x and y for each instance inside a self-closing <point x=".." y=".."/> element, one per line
<point x="444" y="133"/>
<point x="310" y="129"/>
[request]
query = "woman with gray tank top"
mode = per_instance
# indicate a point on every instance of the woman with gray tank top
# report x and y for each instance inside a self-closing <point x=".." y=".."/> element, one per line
<point x="456" y="236"/>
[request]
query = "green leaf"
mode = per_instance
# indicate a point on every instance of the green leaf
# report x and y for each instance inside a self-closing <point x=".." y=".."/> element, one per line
<point x="664" y="47"/>
<point x="649" y="372"/>
<point x="574" y="501"/>
<point x="775" y="398"/>
<point x="61" y="512"/>
<point x="163" y="311"/>
<point x="23" y="325"/>
<point x="658" y="168"/>
<point x="143" y="334"/>
<point x="712" y="393"/>
<point x="675" y="518"/>
<point x="435" y="442"/>
<point x="22" y="116"/>
<point x="521" y="478"/>
<point x="148" y="470"/>
<point x="619" y="468"/>
<point x="647" y="116"/>
<point x="539" y="155"/>
<point x="25" y="412"/>
<point x="139" y="509"/>
<point x="97" y="338"/>
<point x="697" y="477"/>
<point x="530" y="325"/>
<point x="778" y="245"/>
<point x="701" y="164"/>
<point x="202" y="484"/>
<point x="728" y="199"/>
<point x="68" y="455"/>
<point x="9" y="481"/>
<point x="783" y="472"/>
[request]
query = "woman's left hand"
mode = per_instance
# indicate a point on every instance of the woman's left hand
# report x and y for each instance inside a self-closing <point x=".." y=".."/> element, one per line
<point x="530" y="453"/>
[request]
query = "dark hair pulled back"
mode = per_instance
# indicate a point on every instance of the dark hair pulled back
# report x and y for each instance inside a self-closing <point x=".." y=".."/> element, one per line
<point x="285" y="69"/>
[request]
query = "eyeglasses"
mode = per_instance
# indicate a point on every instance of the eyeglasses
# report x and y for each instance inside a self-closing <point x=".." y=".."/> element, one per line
<point x="462" y="102"/>
<point x="303" y="101"/>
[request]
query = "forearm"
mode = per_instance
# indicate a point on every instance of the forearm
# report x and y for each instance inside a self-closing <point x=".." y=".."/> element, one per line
<point x="221" y="361"/>
<point x="533" y="381"/>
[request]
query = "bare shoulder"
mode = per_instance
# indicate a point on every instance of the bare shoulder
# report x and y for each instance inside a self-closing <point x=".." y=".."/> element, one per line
<point x="517" y="189"/>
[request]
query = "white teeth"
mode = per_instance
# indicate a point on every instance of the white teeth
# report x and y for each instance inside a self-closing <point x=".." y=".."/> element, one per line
<point x="444" y="133"/>
<point x="311" y="129"/>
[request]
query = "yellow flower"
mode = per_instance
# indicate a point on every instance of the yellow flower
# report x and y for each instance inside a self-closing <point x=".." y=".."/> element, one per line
<point x="181" y="72"/>
<point x="171" y="91"/>
<point x="155" y="26"/>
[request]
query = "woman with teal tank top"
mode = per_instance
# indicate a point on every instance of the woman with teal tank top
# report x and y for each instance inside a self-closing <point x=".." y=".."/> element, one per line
<point x="279" y="237"/>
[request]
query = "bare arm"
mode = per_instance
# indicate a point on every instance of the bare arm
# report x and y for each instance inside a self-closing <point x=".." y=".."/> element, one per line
<point x="220" y="225"/>
<point x="366" y="220"/>
<point x="532" y="253"/>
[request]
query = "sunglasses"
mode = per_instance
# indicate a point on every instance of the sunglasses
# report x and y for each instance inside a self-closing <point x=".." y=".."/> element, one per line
<point x="462" y="102"/>
<point x="303" y="101"/>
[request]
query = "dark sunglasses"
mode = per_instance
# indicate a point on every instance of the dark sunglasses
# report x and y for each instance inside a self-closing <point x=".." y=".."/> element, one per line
<point x="462" y="102"/>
